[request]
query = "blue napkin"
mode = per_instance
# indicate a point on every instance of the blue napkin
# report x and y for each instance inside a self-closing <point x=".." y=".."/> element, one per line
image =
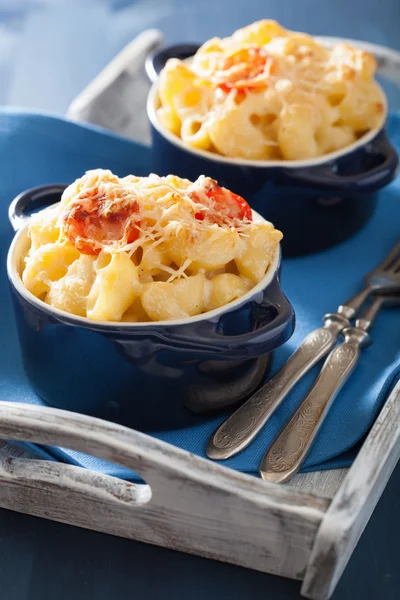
<point x="37" y="149"/>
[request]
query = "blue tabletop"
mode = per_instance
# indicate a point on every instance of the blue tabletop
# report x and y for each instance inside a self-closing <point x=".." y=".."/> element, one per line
<point x="49" y="51"/>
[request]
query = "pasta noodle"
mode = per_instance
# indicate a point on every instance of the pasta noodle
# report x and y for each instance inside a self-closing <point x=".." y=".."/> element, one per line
<point x="138" y="249"/>
<point x="269" y="93"/>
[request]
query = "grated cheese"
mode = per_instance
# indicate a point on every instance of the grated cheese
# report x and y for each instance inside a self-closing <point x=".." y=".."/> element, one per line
<point x="161" y="201"/>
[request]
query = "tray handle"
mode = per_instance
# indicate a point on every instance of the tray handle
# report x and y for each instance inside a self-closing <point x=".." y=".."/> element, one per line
<point x="162" y="466"/>
<point x="183" y="507"/>
<point x="101" y="439"/>
<point x="94" y="486"/>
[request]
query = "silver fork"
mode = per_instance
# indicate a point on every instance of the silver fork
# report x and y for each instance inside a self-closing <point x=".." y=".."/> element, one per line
<point x="244" y="424"/>
<point x="290" y="448"/>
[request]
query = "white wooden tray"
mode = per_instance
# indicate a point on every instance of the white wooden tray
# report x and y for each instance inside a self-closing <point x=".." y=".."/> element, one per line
<point x="305" y="531"/>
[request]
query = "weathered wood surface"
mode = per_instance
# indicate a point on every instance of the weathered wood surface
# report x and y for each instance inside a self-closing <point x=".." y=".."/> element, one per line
<point x="195" y="506"/>
<point x="189" y="504"/>
<point x="354" y="503"/>
<point x="323" y="484"/>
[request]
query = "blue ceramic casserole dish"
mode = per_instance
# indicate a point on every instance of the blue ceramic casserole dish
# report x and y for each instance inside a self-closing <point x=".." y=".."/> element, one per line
<point x="144" y="375"/>
<point x="316" y="203"/>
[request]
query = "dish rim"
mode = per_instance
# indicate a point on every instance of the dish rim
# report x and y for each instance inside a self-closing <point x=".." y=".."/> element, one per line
<point x="14" y="258"/>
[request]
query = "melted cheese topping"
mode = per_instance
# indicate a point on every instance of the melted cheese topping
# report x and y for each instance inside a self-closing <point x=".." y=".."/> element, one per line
<point x="160" y="201"/>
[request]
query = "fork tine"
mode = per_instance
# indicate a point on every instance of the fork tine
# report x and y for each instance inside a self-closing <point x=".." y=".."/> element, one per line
<point x="391" y="258"/>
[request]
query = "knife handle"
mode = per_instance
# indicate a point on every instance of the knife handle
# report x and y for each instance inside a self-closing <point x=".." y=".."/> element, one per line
<point x="290" y="448"/>
<point x="244" y="424"/>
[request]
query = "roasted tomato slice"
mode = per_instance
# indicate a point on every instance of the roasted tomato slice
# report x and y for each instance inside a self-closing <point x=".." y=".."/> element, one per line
<point x="222" y="205"/>
<point x="93" y="221"/>
<point x="244" y="70"/>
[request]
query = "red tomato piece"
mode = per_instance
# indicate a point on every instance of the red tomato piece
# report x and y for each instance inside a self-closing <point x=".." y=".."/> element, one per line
<point x="93" y="221"/>
<point x="223" y="205"/>
<point x="244" y="70"/>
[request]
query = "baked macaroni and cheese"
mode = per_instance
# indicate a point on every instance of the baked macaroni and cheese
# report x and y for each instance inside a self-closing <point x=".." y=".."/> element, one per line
<point x="145" y="248"/>
<point x="268" y="93"/>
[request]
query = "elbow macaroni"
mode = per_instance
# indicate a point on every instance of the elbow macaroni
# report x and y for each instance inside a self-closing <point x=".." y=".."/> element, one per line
<point x="145" y="249"/>
<point x="269" y="93"/>
<point x="114" y="288"/>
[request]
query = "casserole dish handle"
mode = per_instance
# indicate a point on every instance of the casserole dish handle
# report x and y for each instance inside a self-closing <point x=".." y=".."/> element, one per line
<point x="156" y="59"/>
<point x="380" y="162"/>
<point x="31" y="200"/>
<point x="273" y="324"/>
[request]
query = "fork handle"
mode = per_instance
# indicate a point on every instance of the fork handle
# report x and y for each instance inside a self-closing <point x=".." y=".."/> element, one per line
<point x="243" y="425"/>
<point x="287" y="453"/>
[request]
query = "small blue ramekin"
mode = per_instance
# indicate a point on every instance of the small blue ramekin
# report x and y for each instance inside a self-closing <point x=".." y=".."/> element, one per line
<point x="144" y="375"/>
<point x="316" y="203"/>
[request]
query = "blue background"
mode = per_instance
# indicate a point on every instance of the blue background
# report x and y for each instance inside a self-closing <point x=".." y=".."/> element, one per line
<point x="49" y="50"/>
